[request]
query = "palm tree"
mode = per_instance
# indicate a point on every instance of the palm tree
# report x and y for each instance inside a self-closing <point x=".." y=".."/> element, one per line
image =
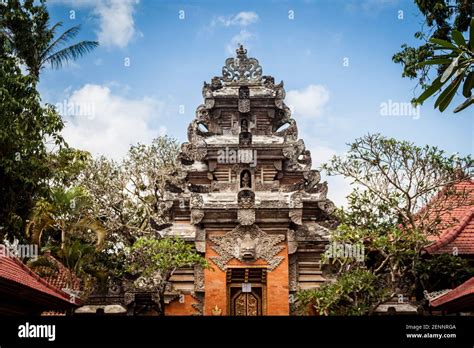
<point x="65" y="212"/>
<point x="26" y="27"/>
<point x="57" y="56"/>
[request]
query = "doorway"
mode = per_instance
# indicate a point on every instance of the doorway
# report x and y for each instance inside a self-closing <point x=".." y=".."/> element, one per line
<point x="246" y="291"/>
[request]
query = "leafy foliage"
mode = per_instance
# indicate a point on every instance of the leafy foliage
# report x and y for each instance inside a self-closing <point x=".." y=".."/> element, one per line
<point x="158" y="258"/>
<point x="26" y="27"/>
<point x="443" y="271"/>
<point x="441" y="17"/>
<point x="354" y="293"/>
<point x="391" y="212"/>
<point x="25" y="126"/>
<point x="128" y="195"/>
<point x="458" y="56"/>
<point x="150" y="255"/>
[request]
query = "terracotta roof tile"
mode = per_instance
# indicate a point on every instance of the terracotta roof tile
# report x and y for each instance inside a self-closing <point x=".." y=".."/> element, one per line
<point x="457" y="226"/>
<point x="465" y="289"/>
<point x="12" y="269"/>
<point x="63" y="278"/>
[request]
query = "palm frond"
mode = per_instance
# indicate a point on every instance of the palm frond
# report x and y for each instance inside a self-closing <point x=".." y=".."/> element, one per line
<point x="58" y="59"/>
<point x="52" y="30"/>
<point x="61" y="40"/>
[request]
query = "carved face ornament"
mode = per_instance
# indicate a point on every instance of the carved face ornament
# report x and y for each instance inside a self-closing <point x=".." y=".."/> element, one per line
<point x="247" y="247"/>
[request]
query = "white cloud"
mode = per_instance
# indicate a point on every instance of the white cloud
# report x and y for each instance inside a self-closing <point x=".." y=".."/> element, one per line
<point x="243" y="38"/>
<point x="309" y="101"/>
<point x="116" y="23"/>
<point x="240" y="19"/>
<point x="112" y="122"/>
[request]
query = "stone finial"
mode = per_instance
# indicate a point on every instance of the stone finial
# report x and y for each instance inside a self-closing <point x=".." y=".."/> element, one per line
<point x="241" y="51"/>
<point x="241" y="69"/>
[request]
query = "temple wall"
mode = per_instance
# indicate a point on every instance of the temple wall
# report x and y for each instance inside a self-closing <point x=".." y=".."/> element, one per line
<point x="186" y="308"/>
<point x="215" y="285"/>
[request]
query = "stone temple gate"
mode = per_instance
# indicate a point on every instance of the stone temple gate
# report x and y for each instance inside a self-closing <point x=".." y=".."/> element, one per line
<point x="246" y="196"/>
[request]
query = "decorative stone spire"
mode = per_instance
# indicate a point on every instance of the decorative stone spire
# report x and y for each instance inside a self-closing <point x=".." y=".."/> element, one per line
<point x="241" y="69"/>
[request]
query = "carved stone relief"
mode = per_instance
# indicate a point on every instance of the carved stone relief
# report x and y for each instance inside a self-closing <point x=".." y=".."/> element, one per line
<point x="196" y="201"/>
<point x="247" y="244"/>
<point x="293" y="274"/>
<point x="292" y="242"/>
<point x="246" y="217"/>
<point x="244" y="105"/>
<point x="196" y="216"/>
<point x="296" y="216"/>
<point x="241" y="68"/>
<point x="198" y="278"/>
<point x="246" y="199"/>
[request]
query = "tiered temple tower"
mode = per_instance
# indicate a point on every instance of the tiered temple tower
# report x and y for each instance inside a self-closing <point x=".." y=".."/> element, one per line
<point x="246" y="196"/>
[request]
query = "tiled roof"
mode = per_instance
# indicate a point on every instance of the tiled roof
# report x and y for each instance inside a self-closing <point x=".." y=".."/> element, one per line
<point x="13" y="270"/>
<point x="465" y="289"/>
<point x="62" y="278"/>
<point x="457" y="226"/>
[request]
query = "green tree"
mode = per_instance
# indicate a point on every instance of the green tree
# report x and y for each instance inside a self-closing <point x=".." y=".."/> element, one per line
<point x="354" y="293"/>
<point x="391" y="212"/>
<point x="65" y="212"/>
<point x="156" y="259"/>
<point x="25" y="128"/>
<point x="445" y="21"/>
<point x="443" y="271"/>
<point x="26" y="26"/>
<point x="129" y="195"/>
<point x="459" y="58"/>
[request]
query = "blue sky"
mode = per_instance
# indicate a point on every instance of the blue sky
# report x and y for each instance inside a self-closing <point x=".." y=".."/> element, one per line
<point x="334" y="56"/>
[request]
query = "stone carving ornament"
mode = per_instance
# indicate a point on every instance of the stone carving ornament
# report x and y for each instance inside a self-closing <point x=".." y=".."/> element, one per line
<point x="198" y="278"/>
<point x="296" y="216"/>
<point x="241" y="68"/>
<point x="194" y="151"/>
<point x="246" y="199"/>
<point x="196" y="200"/>
<point x="292" y="242"/>
<point x="293" y="274"/>
<point x="196" y="203"/>
<point x="296" y="200"/>
<point x="244" y="105"/>
<point x="247" y="244"/>
<point x="196" y="216"/>
<point x="246" y="217"/>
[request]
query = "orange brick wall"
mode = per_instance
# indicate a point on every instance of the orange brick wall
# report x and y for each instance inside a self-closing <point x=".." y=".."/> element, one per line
<point x="277" y="288"/>
<point x="276" y="292"/>
<point x="186" y="308"/>
<point x="215" y="287"/>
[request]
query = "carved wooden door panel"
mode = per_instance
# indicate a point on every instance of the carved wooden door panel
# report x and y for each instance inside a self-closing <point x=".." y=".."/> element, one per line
<point x="246" y="303"/>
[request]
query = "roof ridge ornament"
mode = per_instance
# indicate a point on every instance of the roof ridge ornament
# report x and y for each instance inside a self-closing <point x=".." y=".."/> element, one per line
<point x="242" y="69"/>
